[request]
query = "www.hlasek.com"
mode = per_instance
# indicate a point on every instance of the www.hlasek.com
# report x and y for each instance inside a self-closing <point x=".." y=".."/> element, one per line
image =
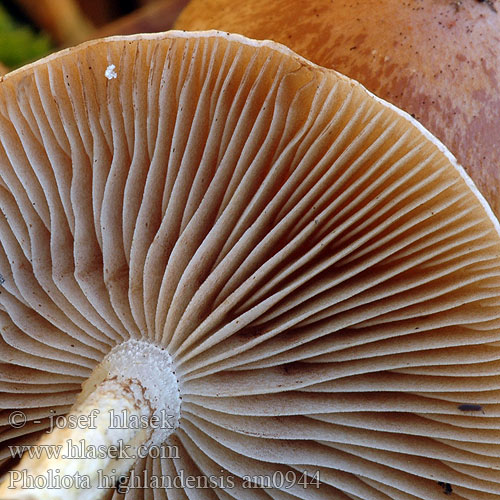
<point x="289" y="480"/>
<point x="81" y="450"/>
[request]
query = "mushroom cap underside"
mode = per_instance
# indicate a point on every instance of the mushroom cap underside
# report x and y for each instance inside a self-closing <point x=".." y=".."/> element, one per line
<point x="322" y="272"/>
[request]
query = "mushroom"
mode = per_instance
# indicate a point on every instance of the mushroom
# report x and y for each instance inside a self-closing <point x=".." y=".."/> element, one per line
<point x="270" y="282"/>
<point x="438" y="60"/>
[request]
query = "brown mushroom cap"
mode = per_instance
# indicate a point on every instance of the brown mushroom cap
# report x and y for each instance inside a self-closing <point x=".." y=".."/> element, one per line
<point x="436" y="59"/>
<point x="322" y="272"/>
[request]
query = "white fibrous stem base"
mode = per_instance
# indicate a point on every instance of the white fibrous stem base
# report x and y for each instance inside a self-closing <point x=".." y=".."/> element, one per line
<point x="130" y="403"/>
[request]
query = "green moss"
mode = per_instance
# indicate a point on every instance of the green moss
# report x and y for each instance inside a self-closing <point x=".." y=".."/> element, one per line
<point x="20" y="44"/>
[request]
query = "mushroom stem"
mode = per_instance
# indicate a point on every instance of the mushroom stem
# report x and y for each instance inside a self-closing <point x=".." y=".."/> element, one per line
<point x="90" y="450"/>
<point x="97" y="443"/>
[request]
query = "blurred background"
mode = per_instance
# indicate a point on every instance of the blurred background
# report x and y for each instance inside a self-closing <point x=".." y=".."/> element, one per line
<point x="30" y="29"/>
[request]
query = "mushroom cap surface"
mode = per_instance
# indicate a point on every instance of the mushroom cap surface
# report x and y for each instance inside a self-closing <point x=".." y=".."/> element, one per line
<point x="322" y="272"/>
<point x="438" y="60"/>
